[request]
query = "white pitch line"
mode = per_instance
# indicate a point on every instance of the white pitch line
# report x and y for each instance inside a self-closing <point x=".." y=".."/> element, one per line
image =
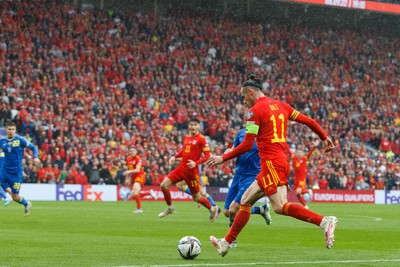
<point x="268" y="263"/>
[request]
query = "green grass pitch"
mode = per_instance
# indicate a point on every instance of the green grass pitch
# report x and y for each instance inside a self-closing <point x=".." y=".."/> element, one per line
<point x="109" y="234"/>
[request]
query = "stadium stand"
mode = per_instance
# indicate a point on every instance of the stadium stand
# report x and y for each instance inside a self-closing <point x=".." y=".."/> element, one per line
<point x="85" y="84"/>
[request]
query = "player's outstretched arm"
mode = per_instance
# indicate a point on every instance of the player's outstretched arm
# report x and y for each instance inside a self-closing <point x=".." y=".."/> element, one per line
<point x="316" y="128"/>
<point x="328" y="145"/>
<point x="214" y="161"/>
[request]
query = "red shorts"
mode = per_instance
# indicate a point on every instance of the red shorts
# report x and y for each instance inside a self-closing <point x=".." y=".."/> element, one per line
<point x="190" y="176"/>
<point x="139" y="178"/>
<point x="273" y="173"/>
<point x="300" y="183"/>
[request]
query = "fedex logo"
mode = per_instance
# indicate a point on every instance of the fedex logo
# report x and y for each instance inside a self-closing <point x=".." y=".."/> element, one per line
<point x="77" y="193"/>
<point x="392" y="197"/>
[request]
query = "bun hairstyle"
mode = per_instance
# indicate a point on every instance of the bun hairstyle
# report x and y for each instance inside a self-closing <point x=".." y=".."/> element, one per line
<point x="253" y="82"/>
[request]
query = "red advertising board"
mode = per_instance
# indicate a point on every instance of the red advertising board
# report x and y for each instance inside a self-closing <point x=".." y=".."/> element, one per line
<point x="322" y="196"/>
<point x="343" y="196"/>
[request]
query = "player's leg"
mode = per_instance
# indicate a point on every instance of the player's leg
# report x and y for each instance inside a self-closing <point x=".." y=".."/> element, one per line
<point x="194" y="187"/>
<point x="135" y="193"/>
<point x="233" y="210"/>
<point x="13" y="186"/>
<point x="165" y="185"/>
<point x="300" y="185"/>
<point x="147" y="193"/>
<point x="230" y="211"/>
<point x="252" y="194"/>
<point x="281" y="205"/>
<point x="208" y="196"/>
<point x="182" y="186"/>
<point x="192" y="179"/>
<point x="244" y="182"/>
<point x="3" y="194"/>
<point x="299" y="195"/>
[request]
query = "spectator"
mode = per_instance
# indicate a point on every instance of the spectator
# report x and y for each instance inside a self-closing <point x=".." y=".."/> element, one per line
<point x="361" y="185"/>
<point x="64" y="174"/>
<point x="81" y="178"/>
<point x="350" y="184"/>
<point x="95" y="173"/>
<point x="105" y="175"/>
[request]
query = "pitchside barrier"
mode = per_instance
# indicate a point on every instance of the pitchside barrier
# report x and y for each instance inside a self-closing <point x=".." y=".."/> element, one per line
<point x="73" y="192"/>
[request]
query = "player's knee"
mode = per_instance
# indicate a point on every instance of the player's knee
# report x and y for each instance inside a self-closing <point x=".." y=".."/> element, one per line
<point x="245" y="201"/>
<point x="232" y="213"/>
<point x="226" y="213"/>
<point x="196" y="198"/>
<point x="164" y="186"/>
<point x="277" y="208"/>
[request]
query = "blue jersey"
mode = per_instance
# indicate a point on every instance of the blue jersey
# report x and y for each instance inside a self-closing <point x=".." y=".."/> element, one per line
<point x="249" y="162"/>
<point x="247" y="168"/>
<point x="1" y="159"/>
<point x="14" y="152"/>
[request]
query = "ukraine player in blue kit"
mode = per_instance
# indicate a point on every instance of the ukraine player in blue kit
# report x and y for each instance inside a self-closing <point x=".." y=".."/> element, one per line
<point x="247" y="168"/>
<point x="13" y="147"/>
<point x="2" y="192"/>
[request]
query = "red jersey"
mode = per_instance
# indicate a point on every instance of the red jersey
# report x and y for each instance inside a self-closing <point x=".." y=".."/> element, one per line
<point x="272" y="118"/>
<point x="268" y="120"/>
<point x="132" y="162"/>
<point x="300" y="165"/>
<point x="193" y="147"/>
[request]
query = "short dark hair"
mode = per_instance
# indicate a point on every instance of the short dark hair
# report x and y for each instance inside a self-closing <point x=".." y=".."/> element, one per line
<point x="11" y="123"/>
<point x="194" y="119"/>
<point x="253" y="82"/>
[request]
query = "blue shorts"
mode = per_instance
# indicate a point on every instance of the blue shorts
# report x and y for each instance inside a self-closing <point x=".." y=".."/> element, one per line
<point x="12" y="181"/>
<point x="239" y="185"/>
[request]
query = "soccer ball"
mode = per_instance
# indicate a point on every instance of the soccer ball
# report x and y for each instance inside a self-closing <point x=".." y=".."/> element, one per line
<point x="307" y="197"/>
<point x="189" y="247"/>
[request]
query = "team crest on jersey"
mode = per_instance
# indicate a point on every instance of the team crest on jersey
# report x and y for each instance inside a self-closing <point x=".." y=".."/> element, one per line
<point x="249" y="114"/>
<point x="194" y="142"/>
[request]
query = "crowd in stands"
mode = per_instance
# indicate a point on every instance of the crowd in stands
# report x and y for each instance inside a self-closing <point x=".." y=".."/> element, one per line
<point x="84" y="85"/>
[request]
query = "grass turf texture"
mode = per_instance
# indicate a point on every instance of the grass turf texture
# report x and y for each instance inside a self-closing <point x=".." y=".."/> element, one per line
<point x="109" y="234"/>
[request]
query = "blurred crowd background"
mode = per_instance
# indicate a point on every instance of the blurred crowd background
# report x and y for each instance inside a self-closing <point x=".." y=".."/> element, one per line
<point x="84" y="83"/>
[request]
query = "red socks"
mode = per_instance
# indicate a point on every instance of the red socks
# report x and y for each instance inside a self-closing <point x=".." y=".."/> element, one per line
<point x="143" y="194"/>
<point x="138" y="204"/>
<point x="167" y="196"/>
<point x="204" y="201"/>
<point x="301" y="213"/>
<point x="239" y="223"/>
